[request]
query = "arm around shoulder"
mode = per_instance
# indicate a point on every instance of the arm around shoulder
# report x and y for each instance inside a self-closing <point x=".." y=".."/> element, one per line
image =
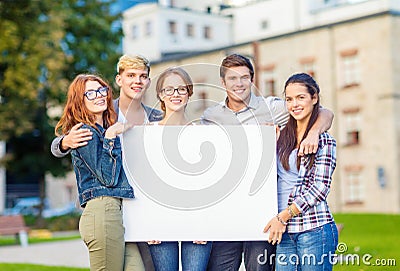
<point x="310" y="143"/>
<point x="278" y="110"/>
<point x="205" y="118"/>
<point x="324" y="121"/>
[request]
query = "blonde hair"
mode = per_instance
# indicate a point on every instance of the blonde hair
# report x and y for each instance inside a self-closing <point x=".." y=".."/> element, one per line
<point x="75" y="110"/>
<point x="133" y="62"/>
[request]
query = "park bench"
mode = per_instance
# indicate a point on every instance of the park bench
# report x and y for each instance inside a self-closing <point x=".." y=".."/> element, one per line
<point x="14" y="225"/>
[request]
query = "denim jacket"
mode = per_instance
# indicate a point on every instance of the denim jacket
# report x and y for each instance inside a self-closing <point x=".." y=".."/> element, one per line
<point x="98" y="168"/>
<point x="152" y="114"/>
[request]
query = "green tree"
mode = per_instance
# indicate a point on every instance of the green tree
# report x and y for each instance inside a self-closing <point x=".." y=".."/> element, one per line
<point x="31" y="62"/>
<point x="44" y="44"/>
<point x="93" y="36"/>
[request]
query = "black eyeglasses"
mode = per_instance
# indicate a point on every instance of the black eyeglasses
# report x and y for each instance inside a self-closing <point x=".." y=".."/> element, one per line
<point x="169" y="91"/>
<point x="92" y="93"/>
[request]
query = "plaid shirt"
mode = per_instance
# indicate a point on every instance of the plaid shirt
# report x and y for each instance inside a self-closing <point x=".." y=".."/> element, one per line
<point x="312" y="187"/>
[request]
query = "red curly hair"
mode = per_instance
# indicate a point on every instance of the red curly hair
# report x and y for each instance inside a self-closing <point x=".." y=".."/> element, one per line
<point x="75" y="110"/>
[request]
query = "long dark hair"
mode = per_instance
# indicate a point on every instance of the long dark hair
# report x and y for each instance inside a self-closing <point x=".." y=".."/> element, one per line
<point x="287" y="141"/>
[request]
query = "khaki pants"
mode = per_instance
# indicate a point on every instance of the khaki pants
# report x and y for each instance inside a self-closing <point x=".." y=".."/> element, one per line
<point x="133" y="258"/>
<point x="102" y="231"/>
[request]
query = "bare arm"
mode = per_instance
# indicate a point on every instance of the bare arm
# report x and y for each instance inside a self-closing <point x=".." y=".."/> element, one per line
<point x="324" y="122"/>
<point x="277" y="225"/>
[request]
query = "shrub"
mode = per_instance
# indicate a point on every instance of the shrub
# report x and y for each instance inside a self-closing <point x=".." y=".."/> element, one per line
<point x="68" y="222"/>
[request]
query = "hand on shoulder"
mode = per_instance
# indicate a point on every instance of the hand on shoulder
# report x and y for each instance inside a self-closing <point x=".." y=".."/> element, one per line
<point x="116" y="129"/>
<point x="77" y="137"/>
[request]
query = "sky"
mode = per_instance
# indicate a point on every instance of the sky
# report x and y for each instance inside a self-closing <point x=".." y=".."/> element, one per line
<point x="125" y="4"/>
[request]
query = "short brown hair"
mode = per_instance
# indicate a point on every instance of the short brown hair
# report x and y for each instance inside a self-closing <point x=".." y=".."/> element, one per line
<point x="235" y="60"/>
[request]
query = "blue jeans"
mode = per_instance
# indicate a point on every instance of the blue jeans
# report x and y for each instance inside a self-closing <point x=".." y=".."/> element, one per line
<point x="227" y="256"/>
<point x="311" y="250"/>
<point x="194" y="256"/>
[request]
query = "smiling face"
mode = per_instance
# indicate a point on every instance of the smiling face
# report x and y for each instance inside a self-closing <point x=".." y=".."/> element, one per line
<point x="98" y="105"/>
<point x="299" y="101"/>
<point x="133" y="83"/>
<point x="237" y="82"/>
<point x="175" y="102"/>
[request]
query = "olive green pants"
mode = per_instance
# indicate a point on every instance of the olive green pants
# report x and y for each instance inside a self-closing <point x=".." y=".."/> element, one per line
<point x="102" y="231"/>
<point x="133" y="258"/>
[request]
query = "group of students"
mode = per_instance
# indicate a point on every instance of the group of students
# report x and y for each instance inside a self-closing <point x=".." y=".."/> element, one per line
<point x="92" y="122"/>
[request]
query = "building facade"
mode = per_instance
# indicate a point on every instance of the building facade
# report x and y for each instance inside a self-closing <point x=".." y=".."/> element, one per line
<point x="160" y="32"/>
<point x="169" y="28"/>
<point x="357" y="66"/>
<point x="350" y="47"/>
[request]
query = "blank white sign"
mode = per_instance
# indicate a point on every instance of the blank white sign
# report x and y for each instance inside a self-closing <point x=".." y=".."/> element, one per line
<point x="199" y="182"/>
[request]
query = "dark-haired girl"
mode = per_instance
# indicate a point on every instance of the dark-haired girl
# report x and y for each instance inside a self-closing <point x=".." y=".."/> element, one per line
<point x="304" y="228"/>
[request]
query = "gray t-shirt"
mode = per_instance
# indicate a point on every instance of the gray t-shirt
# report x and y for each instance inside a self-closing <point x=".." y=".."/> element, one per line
<point x="260" y="110"/>
<point x="286" y="180"/>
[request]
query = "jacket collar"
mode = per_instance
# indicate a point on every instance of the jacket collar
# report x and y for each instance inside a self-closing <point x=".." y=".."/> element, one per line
<point x="152" y="114"/>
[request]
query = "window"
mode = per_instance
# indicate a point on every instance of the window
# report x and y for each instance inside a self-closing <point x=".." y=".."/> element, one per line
<point x="135" y="32"/>
<point x="148" y="28"/>
<point x="203" y="98"/>
<point x="352" y="120"/>
<point x="354" y="187"/>
<point x="269" y="87"/>
<point x="308" y="65"/>
<point x="350" y="68"/>
<point x="269" y="84"/>
<point x="207" y="32"/>
<point x="267" y="80"/>
<point x="190" y="30"/>
<point x="173" y="29"/>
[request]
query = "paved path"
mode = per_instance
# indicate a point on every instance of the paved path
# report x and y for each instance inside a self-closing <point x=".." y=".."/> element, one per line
<point x="72" y="253"/>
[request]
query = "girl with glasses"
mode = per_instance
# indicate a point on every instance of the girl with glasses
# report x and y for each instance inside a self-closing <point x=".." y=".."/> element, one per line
<point x="174" y="87"/>
<point x="98" y="168"/>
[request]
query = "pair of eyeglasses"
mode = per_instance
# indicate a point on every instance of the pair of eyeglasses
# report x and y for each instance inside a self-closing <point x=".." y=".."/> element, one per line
<point x="92" y="93"/>
<point x="169" y="91"/>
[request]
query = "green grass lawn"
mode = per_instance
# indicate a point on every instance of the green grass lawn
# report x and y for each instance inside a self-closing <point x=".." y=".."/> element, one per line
<point x="373" y="234"/>
<point x="11" y="240"/>
<point x="363" y="234"/>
